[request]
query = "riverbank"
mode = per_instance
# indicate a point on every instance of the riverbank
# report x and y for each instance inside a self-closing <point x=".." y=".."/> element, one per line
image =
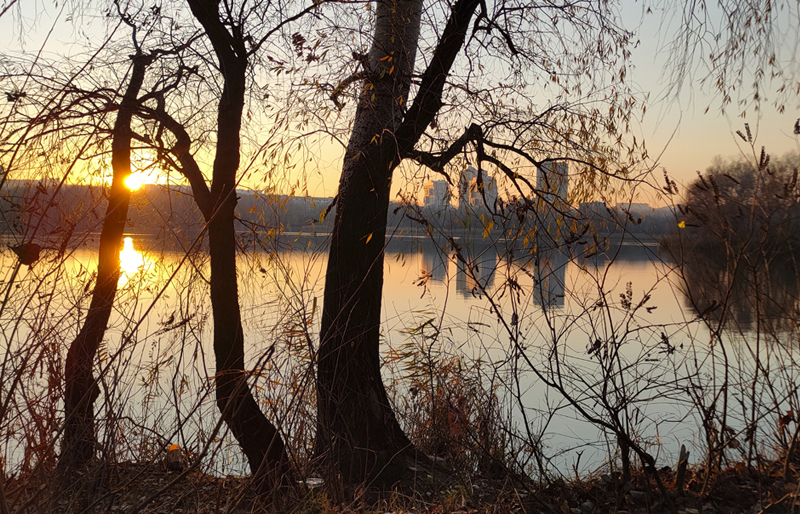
<point x="150" y="488"/>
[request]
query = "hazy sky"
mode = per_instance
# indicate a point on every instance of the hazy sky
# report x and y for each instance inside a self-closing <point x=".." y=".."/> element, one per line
<point x="680" y="135"/>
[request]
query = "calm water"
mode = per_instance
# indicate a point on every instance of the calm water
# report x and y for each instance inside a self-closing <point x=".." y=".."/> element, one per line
<point x="614" y="335"/>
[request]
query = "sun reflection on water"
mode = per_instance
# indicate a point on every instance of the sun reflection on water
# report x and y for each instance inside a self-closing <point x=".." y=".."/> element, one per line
<point x="130" y="260"/>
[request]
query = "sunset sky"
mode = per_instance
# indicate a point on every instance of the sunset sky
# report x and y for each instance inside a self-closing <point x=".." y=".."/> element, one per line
<point x="683" y="130"/>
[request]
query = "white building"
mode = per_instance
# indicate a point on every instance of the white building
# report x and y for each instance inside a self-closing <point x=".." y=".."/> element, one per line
<point x="552" y="184"/>
<point x="469" y="192"/>
<point x="436" y="193"/>
<point x="463" y="186"/>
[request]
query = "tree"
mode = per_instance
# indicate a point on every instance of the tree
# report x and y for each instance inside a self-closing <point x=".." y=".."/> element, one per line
<point x="741" y="207"/>
<point x="259" y="439"/>
<point x="227" y="27"/>
<point x="357" y="430"/>
<point x="348" y="368"/>
<point x="232" y="31"/>
<point x="80" y="387"/>
<point x="740" y="239"/>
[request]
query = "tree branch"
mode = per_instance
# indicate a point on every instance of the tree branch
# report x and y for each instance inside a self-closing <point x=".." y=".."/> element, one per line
<point x="340" y="89"/>
<point x="436" y="162"/>
<point x="428" y="100"/>
<point x="189" y="167"/>
<point x="313" y="7"/>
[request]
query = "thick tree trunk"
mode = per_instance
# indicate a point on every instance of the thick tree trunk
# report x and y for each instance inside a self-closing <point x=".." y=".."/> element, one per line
<point x="259" y="439"/>
<point x="357" y="430"/>
<point x="81" y="389"/>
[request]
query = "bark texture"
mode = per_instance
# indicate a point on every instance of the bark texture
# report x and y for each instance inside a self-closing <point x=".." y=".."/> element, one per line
<point x="358" y="433"/>
<point x="81" y="388"/>
<point x="259" y="439"/>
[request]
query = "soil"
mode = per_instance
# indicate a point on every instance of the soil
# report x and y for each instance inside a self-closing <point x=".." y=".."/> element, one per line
<point x="154" y="489"/>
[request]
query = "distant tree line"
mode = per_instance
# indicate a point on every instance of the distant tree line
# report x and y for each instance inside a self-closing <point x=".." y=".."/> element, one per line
<point x="170" y="211"/>
<point x="742" y="207"/>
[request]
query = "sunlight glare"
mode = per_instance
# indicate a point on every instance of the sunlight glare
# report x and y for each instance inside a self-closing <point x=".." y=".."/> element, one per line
<point x="130" y="261"/>
<point x="135" y="180"/>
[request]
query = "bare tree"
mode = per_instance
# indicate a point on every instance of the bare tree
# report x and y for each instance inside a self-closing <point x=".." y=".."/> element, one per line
<point x="227" y="26"/>
<point x="81" y="389"/>
<point x="358" y="432"/>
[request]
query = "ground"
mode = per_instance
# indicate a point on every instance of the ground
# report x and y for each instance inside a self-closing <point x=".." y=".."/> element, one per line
<point x="148" y="488"/>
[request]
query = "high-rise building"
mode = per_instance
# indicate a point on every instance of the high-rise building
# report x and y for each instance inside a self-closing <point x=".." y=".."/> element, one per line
<point x="489" y="187"/>
<point x="552" y="181"/>
<point x="463" y="186"/>
<point x="469" y="192"/>
<point x="436" y="194"/>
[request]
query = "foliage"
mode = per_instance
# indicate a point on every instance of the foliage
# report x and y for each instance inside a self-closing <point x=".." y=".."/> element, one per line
<point x="747" y="207"/>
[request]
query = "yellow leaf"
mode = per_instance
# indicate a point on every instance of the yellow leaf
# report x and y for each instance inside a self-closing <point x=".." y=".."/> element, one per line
<point x="369" y="237"/>
<point x="487" y="230"/>
<point x="682" y="224"/>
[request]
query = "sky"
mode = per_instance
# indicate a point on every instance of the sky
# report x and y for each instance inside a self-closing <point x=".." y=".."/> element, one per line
<point x="684" y="130"/>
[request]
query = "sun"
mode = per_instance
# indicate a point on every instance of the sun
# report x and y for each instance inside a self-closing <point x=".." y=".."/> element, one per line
<point x="135" y="180"/>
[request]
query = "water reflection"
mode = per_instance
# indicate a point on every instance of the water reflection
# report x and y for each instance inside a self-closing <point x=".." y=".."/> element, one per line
<point x="743" y="293"/>
<point x="130" y="260"/>
<point x="176" y="337"/>
<point x="550" y="279"/>
<point x="434" y="264"/>
<point x="477" y="275"/>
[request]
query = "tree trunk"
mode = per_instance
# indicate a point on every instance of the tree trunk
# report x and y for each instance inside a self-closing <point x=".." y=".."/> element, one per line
<point x="357" y="429"/>
<point x="259" y="439"/>
<point x="358" y="432"/>
<point x="81" y="389"/>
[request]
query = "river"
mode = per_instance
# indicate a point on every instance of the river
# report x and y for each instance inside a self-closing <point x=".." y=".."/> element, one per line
<point x="546" y="340"/>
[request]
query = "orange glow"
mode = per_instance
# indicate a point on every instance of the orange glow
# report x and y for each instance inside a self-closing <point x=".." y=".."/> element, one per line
<point x="135" y="180"/>
<point x="130" y="261"/>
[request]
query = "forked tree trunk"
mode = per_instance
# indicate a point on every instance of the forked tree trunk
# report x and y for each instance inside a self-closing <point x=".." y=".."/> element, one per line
<point x="81" y="388"/>
<point x="260" y="440"/>
<point x="357" y="429"/>
<point x="358" y="433"/>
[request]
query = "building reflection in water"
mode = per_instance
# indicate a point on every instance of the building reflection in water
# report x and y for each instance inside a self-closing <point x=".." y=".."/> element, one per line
<point x="549" y="279"/>
<point x="549" y="272"/>
<point x="478" y="275"/>
<point x="434" y="263"/>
